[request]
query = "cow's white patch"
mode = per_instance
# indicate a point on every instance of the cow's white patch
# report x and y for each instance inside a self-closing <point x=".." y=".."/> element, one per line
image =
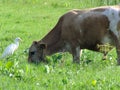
<point x="114" y="18"/>
<point x="81" y="52"/>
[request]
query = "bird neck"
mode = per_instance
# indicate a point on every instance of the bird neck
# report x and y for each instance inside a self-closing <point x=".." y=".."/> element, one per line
<point x="17" y="43"/>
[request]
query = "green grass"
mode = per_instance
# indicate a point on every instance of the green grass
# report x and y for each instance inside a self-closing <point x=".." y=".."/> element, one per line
<point x="33" y="19"/>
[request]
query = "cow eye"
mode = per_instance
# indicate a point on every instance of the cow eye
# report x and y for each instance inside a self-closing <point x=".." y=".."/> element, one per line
<point x="32" y="53"/>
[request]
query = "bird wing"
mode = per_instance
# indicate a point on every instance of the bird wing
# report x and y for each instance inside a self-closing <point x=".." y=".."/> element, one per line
<point x="9" y="50"/>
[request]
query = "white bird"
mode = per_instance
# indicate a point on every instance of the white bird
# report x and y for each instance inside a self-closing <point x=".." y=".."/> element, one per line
<point x="10" y="49"/>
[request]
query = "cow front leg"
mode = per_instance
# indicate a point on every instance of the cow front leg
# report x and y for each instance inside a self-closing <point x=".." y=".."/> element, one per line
<point x="76" y="54"/>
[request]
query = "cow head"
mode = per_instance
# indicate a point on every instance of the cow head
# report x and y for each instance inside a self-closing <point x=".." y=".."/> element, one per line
<point x="37" y="52"/>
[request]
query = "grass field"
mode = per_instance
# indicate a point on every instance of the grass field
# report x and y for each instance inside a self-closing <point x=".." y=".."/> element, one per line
<point x="32" y="20"/>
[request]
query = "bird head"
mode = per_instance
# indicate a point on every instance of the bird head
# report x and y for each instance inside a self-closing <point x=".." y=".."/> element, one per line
<point x="18" y="39"/>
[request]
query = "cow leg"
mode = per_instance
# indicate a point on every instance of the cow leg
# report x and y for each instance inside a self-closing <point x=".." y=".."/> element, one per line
<point x="76" y="54"/>
<point x="118" y="53"/>
<point x="104" y="56"/>
<point x="117" y="44"/>
<point x="106" y="53"/>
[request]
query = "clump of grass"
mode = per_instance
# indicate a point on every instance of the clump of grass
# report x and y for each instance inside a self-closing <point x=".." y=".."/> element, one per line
<point x="54" y="58"/>
<point x="105" y="48"/>
<point x="12" y="69"/>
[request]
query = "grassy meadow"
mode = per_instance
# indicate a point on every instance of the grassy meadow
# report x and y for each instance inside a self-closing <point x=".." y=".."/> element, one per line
<point x="33" y="19"/>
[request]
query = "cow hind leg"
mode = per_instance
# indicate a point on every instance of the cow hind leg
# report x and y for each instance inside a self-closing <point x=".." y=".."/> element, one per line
<point x="104" y="56"/>
<point x="118" y="53"/>
<point x="117" y="43"/>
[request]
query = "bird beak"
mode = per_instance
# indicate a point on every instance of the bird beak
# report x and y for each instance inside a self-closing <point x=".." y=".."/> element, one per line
<point x="21" y="40"/>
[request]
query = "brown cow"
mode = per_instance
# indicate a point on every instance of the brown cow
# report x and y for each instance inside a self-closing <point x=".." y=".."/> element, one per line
<point x="80" y="29"/>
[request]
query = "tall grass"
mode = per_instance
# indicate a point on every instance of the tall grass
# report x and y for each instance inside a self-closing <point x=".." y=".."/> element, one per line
<point x="32" y="20"/>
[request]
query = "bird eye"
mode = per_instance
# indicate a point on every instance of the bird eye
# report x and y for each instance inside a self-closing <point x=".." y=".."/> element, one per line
<point x="32" y="53"/>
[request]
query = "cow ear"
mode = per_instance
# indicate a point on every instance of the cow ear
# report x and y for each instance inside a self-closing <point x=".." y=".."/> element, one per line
<point x="43" y="46"/>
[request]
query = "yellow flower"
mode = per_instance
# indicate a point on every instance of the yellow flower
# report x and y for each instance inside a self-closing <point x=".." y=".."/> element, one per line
<point x="94" y="82"/>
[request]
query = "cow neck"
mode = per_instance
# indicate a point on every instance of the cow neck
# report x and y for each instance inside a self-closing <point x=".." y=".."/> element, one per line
<point x="53" y="42"/>
<point x="53" y="38"/>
